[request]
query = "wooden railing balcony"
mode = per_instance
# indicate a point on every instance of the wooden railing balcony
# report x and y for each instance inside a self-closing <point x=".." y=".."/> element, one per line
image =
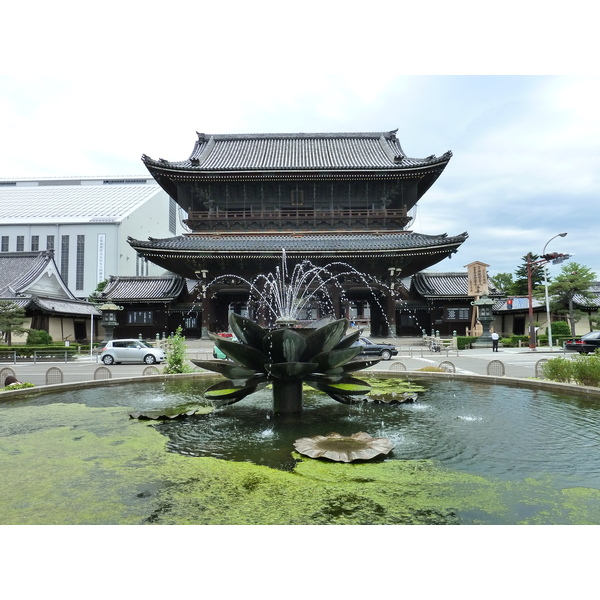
<point x="299" y="218"/>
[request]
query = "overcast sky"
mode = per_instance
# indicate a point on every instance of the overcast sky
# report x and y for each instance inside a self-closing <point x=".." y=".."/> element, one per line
<point x="88" y="90"/>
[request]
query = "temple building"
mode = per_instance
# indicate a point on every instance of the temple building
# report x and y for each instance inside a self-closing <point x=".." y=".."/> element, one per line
<point x="341" y="200"/>
<point x="32" y="281"/>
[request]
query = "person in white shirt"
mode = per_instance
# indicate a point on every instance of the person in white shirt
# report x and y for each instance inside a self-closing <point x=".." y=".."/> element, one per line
<point x="495" y="338"/>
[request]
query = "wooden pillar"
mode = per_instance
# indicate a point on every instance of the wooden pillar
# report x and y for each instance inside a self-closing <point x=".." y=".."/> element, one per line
<point x="335" y="295"/>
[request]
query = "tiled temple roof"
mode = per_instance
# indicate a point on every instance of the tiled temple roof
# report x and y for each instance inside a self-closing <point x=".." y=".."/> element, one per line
<point x="18" y="270"/>
<point x="64" y="307"/>
<point x="444" y="285"/>
<point x="301" y="243"/>
<point x="298" y="151"/>
<point x="579" y="301"/>
<point x="594" y="303"/>
<point x="19" y="274"/>
<point x="144" y="289"/>
<point x="57" y="306"/>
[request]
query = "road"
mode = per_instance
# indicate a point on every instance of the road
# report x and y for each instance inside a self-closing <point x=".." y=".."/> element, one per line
<point x="518" y="362"/>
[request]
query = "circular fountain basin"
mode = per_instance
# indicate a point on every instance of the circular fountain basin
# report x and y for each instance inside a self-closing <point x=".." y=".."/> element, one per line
<point x="478" y="453"/>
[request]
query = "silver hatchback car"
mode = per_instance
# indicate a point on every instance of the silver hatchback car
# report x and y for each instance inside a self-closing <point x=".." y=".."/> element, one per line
<point x="131" y="351"/>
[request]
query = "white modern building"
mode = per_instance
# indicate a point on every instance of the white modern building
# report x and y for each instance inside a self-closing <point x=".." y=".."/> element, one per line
<point x="86" y="222"/>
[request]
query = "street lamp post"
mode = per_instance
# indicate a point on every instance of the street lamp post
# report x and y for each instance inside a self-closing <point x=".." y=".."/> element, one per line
<point x="532" y="340"/>
<point x="550" y="344"/>
<point x="532" y="265"/>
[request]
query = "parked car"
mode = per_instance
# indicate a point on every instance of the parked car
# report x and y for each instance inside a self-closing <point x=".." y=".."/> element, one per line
<point x="217" y="352"/>
<point x="369" y="348"/>
<point x="131" y="351"/>
<point x="587" y="343"/>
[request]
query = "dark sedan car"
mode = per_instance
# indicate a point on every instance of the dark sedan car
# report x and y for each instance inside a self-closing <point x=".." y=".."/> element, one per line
<point x="369" y="348"/>
<point x="587" y="343"/>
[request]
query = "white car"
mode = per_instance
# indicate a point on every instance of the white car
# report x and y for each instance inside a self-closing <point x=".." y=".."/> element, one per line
<point x="131" y="351"/>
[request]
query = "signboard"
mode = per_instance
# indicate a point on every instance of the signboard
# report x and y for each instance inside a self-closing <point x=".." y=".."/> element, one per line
<point x="477" y="280"/>
<point x="457" y="313"/>
<point x="101" y="260"/>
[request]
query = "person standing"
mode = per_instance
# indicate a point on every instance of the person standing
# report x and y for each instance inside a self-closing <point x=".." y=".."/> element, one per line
<point x="495" y="338"/>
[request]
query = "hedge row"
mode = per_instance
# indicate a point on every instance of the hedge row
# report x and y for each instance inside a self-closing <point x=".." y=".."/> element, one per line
<point x="28" y="351"/>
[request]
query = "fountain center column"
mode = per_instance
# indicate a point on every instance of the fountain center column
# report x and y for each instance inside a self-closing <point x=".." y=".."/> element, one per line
<point x="287" y="396"/>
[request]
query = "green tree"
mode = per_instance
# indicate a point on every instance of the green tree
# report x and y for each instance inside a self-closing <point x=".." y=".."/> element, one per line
<point x="93" y="297"/>
<point x="11" y="320"/>
<point x="573" y="280"/>
<point x="520" y="286"/>
<point x="176" y="354"/>
<point x="503" y="282"/>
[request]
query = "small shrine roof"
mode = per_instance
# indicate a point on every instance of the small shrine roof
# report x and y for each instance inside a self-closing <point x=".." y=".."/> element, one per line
<point x="297" y="151"/>
<point x="145" y="289"/>
<point x="444" y="285"/>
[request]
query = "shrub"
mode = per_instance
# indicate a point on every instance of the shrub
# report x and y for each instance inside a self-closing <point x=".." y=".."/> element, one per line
<point x="38" y="337"/>
<point x="176" y="355"/>
<point x="586" y="370"/>
<point x="17" y="386"/>
<point x="513" y="341"/>
<point x="463" y="341"/>
<point x="560" y="328"/>
<point x="558" y="369"/>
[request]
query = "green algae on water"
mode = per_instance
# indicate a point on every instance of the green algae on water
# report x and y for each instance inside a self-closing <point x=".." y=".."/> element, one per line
<point x="69" y="464"/>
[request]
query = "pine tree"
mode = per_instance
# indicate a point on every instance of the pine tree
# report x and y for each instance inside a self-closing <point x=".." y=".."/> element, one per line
<point x="520" y="283"/>
<point x="574" y="280"/>
<point x="11" y="320"/>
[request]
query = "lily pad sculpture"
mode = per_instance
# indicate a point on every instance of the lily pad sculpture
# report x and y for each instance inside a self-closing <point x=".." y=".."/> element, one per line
<point x="322" y="357"/>
<point x="395" y="398"/>
<point x="342" y="448"/>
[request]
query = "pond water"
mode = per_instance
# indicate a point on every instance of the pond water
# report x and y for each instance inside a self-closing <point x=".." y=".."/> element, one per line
<point x="505" y="432"/>
<point x="491" y="430"/>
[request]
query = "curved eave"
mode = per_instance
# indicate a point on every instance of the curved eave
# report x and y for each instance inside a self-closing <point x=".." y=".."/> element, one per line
<point x="60" y="306"/>
<point x="144" y="300"/>
<point x="300" y="246"/>
<point x="185" y="172"/>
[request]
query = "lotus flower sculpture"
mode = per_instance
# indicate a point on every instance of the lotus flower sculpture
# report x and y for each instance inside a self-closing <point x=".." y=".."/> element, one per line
<point x="322" y="357"/>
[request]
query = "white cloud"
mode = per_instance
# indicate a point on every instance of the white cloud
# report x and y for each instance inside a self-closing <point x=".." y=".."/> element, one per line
<point x="90" y="88"/>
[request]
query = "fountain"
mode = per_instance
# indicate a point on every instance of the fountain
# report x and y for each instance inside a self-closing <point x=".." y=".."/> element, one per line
<point x="320" y="355"/>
